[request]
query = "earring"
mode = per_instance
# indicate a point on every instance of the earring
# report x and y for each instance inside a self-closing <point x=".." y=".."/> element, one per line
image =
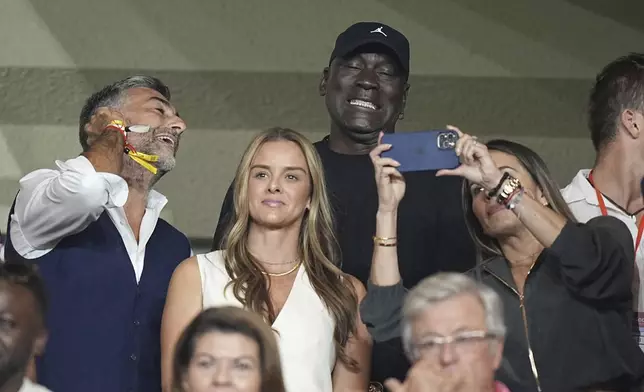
<point x="401" y="115"/>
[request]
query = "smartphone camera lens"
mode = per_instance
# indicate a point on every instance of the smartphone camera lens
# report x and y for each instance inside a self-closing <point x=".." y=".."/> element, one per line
<point x="447" y="140"/>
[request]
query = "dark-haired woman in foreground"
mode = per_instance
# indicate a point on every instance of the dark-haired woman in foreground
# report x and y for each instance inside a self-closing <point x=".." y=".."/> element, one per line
<point x="566" y="287"/>
<point x="227" y="348"/>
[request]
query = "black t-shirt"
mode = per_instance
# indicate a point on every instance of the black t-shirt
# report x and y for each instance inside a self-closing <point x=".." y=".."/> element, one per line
<point x="432" y="235"/>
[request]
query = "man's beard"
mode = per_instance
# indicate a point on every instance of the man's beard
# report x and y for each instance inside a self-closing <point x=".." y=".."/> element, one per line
<point x="16" y="363"/>
<point x="148" y="143"/>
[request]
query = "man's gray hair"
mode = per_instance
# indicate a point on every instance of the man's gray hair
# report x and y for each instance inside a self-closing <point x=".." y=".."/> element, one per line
<point x="443" y="286"/>
<point x="111" y="96"/>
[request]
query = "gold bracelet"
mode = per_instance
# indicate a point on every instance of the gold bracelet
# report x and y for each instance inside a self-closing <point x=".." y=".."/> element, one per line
<point x="385" y="241"/>
<point x="510" y="186"/>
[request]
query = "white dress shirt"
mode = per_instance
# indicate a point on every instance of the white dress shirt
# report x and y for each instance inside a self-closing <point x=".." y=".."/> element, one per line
<point x="28" y="386"/>
<point x="54" y="204"/>
<point x="582" y="200"/>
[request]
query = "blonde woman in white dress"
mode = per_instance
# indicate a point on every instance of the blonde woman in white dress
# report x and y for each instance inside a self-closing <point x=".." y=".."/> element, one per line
<point x="280" y="260"/>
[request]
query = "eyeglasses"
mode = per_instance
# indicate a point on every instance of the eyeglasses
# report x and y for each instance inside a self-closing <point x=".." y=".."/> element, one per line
<point x="461" y="343"/>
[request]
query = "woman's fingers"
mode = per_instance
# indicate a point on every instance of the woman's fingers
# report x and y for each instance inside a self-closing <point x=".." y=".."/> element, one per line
<point x="467" y="154"/>
<point x="382" y="162"/>
<point x="379" y="149"/>
<point x="391" y="172"/>
<point x="450" y="172"/>
<point x="455" y="129"/>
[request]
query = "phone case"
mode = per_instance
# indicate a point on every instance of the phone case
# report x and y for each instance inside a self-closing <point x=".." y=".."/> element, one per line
<point x="422" y="150"/>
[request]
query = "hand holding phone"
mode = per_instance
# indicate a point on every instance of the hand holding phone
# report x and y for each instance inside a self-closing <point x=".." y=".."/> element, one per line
<point x="389" y="181"/>
<point x="423" y="150"/>
<point x="477" y="165"/>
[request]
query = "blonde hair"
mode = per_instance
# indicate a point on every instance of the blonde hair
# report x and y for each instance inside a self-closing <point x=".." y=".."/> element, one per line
<point x="318" y="247"/>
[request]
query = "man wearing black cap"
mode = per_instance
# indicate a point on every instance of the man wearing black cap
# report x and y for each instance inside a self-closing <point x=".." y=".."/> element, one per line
<point x="365" y="90"/>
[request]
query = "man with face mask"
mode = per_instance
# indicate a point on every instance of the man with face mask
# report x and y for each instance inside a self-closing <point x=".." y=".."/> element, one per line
<point x="23" y="335"/>
<point x="92" y="226"/>
<point x="365" y="91"/>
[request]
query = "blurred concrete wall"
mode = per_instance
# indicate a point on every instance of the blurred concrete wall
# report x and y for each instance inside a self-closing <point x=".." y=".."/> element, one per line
<point x="519" y="69"/>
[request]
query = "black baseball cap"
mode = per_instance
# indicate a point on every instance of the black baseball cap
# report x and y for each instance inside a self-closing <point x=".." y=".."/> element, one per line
<point x="365" y="33"/>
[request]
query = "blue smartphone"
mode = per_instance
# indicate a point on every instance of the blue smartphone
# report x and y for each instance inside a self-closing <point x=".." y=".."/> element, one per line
<point x="423" y="150"/>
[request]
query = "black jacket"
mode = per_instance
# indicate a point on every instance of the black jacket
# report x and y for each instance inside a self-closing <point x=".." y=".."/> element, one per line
<point x="575" y="315"/>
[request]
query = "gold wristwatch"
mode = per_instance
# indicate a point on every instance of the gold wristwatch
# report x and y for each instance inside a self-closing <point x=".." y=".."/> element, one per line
<point x="510" y="186"/>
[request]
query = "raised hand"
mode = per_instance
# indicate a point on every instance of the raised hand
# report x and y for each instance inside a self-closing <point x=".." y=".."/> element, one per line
<point x="106" y="146"/>
<point x="477" y="165"/>
<point x="99" y="121"/>
<point x="390" y="183"/>
<point x="428" y="377"/>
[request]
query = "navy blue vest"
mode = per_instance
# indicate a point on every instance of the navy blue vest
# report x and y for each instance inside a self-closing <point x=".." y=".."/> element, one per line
<point x="104" y="329"/>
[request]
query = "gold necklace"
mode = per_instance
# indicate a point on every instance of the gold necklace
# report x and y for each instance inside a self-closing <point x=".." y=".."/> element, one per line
<point x="282" y="263"/>
<point x="282" y="273"/>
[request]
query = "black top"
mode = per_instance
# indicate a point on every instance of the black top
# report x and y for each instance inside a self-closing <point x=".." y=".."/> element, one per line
<point x="432" y="235"/>
<point x="578" y="312"/>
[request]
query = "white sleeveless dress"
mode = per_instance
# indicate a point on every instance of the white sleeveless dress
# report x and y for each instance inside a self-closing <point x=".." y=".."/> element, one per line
<point x="305" y="326"/>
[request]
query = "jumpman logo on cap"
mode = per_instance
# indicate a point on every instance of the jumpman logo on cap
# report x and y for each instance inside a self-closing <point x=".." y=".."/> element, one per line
<point x="379" y="30"/>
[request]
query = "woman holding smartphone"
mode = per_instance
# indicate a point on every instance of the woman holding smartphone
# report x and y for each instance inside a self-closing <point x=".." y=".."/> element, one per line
<point x="565" y="286"/>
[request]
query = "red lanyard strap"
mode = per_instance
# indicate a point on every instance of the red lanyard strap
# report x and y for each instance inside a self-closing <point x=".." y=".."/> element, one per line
<point x="602" y="207"/>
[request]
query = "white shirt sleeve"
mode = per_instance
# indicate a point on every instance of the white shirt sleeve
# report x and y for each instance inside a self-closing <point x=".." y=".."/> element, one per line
<point x="53" y="204"/>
